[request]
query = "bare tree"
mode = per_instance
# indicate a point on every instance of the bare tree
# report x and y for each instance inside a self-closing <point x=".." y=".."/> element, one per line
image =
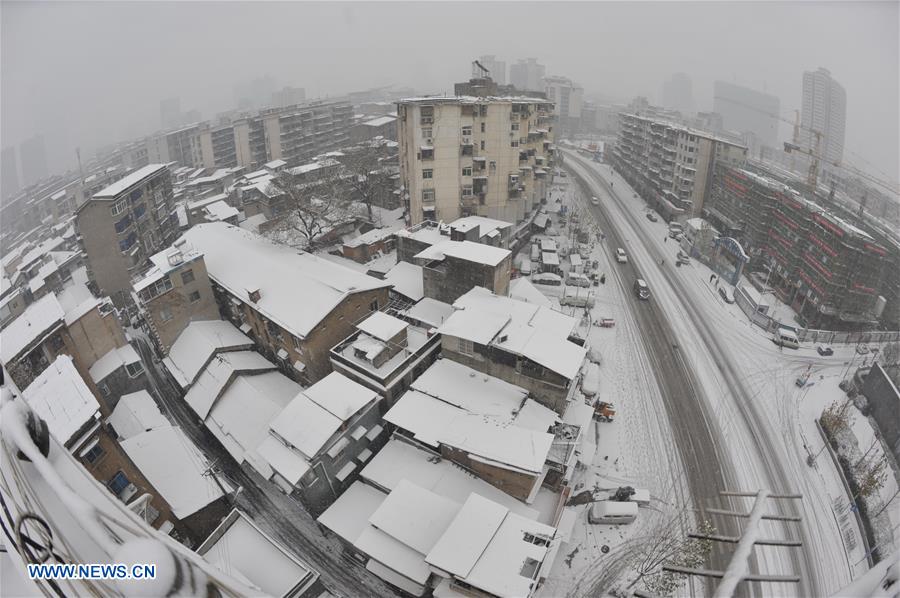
<point x="836" y="417"/>
<point x="870" y="474"/>
<point x="312" y="209"/>
<point x="367" y="179"/>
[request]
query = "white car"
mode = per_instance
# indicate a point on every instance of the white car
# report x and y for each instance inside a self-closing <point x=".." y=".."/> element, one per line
<point x="620" y="256"/>
<point x="595" y="201"/>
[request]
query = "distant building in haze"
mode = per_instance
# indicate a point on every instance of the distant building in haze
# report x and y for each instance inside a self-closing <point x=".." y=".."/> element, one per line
<point x="567" y="98"/>
<point x="170" y="113"/>
<point x="33" y="156"/>
<point x="527" y="75"/>
<point x="746" y="110"/>
<point x="677" y="93"/>
<point x="9" y="172"/>
<point x="824" y="109"/>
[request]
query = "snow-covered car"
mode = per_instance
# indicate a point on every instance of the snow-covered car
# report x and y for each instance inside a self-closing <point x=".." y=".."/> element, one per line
<point x="547" y="278"/>
<point x="621" y="257"/>
<point x="862" y="349"/>
<point x="612" y="513"/>
<point x="726" y="295"/>
<point x="824" y="350"/>
<point x="652" y="217"/>
<point x="595" y="201"/>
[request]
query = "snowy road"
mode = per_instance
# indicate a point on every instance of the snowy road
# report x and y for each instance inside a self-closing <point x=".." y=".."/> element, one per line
<point x="731" y="367"/>
<point x="277" y="514"/>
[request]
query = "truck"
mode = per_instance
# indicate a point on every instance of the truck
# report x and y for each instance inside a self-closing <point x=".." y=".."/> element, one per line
<point x="604" y="411"/>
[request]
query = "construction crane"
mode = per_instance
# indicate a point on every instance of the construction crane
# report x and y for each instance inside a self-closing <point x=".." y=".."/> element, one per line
<point x="482" y="68"/>
<point x="815" y="152"/>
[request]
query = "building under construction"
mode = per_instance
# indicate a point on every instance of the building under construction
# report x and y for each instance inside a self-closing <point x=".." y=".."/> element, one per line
<point x="829" y="270"/>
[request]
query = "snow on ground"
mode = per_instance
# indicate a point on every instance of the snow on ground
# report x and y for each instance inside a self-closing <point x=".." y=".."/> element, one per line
<point x="768" y="375"/>
<point x="635" y="449"/>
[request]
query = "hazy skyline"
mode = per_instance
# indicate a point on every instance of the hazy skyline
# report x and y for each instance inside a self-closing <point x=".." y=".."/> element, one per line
<point x="86" y="74"/>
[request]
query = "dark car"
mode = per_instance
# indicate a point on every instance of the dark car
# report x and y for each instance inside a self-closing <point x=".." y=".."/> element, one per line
<point x="726" y="296"/>
<point x="651" y="217"/>
<point x="825" y="350"/>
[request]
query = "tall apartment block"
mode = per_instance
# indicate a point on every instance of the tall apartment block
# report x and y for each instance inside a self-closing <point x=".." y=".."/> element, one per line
<point x="831" y="271"/>
<point x="671" y="165"/>
<point x="823" y="109"/>
<point x="33" y="160"/>
<point x="123" y="225"/>
<point x="527" y="75"/>
<point x="567" y="98"/>
<point x="466" y="155"/>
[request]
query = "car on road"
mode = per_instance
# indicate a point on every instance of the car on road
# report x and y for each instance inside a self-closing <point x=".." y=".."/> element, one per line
<point x="547" y="279"/>
<point x="786" y="337"/>
<point x="641" y="289"/>
<point x="595" y="201"/>
<point x="621" y="257"/>
<point x="862" y="349"/>
<point x="613" y="513"/>
<point x="824" y="350"/>
<point x="726" y="295"/>
<point x="652" y="217"/>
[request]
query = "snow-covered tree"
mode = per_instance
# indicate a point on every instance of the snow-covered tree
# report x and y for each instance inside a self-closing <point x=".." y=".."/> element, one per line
<point x="367" y="179"/>
<point x="312" y="210"/>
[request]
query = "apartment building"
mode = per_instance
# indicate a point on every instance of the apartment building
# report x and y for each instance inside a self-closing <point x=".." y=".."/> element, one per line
<point x="829" y="270"/>
<point x="824" y="110"/>
<point x="125" y="223"/>
<point x="568" y="99"/>
<point x="671" y="165"/>
<point x="467" y="155"/>
<point x="527" y="74"/>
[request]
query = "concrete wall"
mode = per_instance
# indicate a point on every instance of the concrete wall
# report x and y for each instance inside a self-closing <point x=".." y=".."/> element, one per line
<point x="884" y="399"/>
<point x="177" y="303"/>
<point x="447" y="281"/>
<point x="94" y="335"/>
<point x="514" y="483"/>
<point x="107" y="266"/>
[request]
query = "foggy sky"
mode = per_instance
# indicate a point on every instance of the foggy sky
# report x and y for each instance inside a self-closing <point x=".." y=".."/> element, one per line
<point x="85" y="74"/>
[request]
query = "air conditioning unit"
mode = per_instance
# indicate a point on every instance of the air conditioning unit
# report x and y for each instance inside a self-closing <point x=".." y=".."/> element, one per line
<point x="466" y="140"/>
<point x="427" y="120"/>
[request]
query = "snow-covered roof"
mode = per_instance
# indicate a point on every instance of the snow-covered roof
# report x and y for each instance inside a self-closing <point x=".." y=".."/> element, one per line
<point x="37" y="321"/>
<point x="494" y="440"/>
<point x="465" y="250"/>
<point x="289" y="463"/>
<point x="485" y="225"/>
<point x="372" y="236"/>
<point x="83" y="308"/>
<point x="297" y="290"/>
<point x="382" y="326"/>
<point x="215" y="377"/>
<point x="430" y="312"/>
<point x="349" y="515"/>
<point x="425" y="234"/>
<point x="399" y="460"/>
<point x="380" y="121"/>
<point x="220" y="211"/>
<point x="241" y="549"/>
<point x="340" y="396"/>
<point x="252" y="223"/>
<point x="485" y="546"/>
<point x="197" y="343"/>
<point x="471" y="390"/>
<point x="60" y="397"/>
<point x="113" y="360"/>
<point x="521" y="289"/>
<point x="274" y="164"/>
<point x="166" y="261"/>
<point x="175" y="468"/>
<point x="128" y="181"/>
<point x="240" y="418"/>
<point x="533" y="331"/>
<point x="415" y="516"/>
<point x="305" y="425"/>
<point x="407" y="280"/>
<point x="135" y="413"/>
<point x="205" y="201"/>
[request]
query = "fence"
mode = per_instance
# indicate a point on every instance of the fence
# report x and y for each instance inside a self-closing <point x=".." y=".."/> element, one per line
<point x="807" y="335"/>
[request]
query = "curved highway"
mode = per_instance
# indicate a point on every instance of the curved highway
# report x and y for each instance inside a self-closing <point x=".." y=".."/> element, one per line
<point x="693" y="404"/>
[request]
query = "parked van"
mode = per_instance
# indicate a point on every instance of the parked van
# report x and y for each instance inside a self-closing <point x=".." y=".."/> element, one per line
<point x="613" y="513"/>
<point x="675" y="229"/>
<point x="578" y="280"/>
<point x="786" y="338"/>
<point x="547" y="279"/>
<point x="526" y="268"/>
<point x="641" y="289"/>
<point x="535" y="252"/>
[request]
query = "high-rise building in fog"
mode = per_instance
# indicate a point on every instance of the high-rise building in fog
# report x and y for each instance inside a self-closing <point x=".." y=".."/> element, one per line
<point x="746" y="110"/>
<point x="824" y="109"/>
<point x="496" y="69"/>
<point x="170" y="113"/>
<point x="33" y="157"/>
<point x="288" y="96"/>
<point x="567" y="98"/>
<point x="9" y="175"/>
<point x="677" y="93"/>
<point x="527" y="75"/>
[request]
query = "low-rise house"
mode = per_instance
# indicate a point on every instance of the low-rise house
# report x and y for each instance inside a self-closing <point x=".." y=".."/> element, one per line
<point x="62" y="398"/>
<point x="297" y="307"/>
<point x="241" y="549"/>
<point x="316" y="445"/>
<point x="407" y="282"/>
<point x="198" y="344"/>
<point x="368" y="245"/>
<point x="118" y="373"/>
<point x="480" y="229"/>
<point x="486" y="425"/>
<point x="385" y="354"/>
<point x="195" y="208"/>
<point x="381" y="126"/>
<point x="175" y="292"/>
<point x="428" y="313"/>
<point x="451" y="268"/>
<point x="421" y="542"/>
<point x="525" y="344"/>
<point x="173" y="465"/>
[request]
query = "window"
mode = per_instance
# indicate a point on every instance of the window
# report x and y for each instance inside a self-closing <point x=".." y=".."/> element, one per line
<point x="427" y="173"/>
<point x="482" y="143"/>
<point x="467" y="131"/>
<point x="139" y="211"/>
<point x="165" y="314"/>
<point x="187" y="276"/>
<point x="374" y="305"/>
<point x="467" y="191"/>
<point x="118" y="207"/>
<point x="536" y="540"/>
<point x="514" y="127"/>
<point x="513" y="143"/>
<point x="194" y="297"/>
<point x="465" y="346"/>
<point x="134" y="369"/>
<point x="427" y="195"/>
<point x="126" y="243"/>
<point x="118" y="483"/>
<point x="467" y="171"/>
<point x="427" y="153"/>
<point x="493" y="166"/>
<point x="122" y="224"/>
<point x="93" y="455"/>
<point x="426" y="132"/>
<point x="297" y="344"/>
<point x="482" y="127"/>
